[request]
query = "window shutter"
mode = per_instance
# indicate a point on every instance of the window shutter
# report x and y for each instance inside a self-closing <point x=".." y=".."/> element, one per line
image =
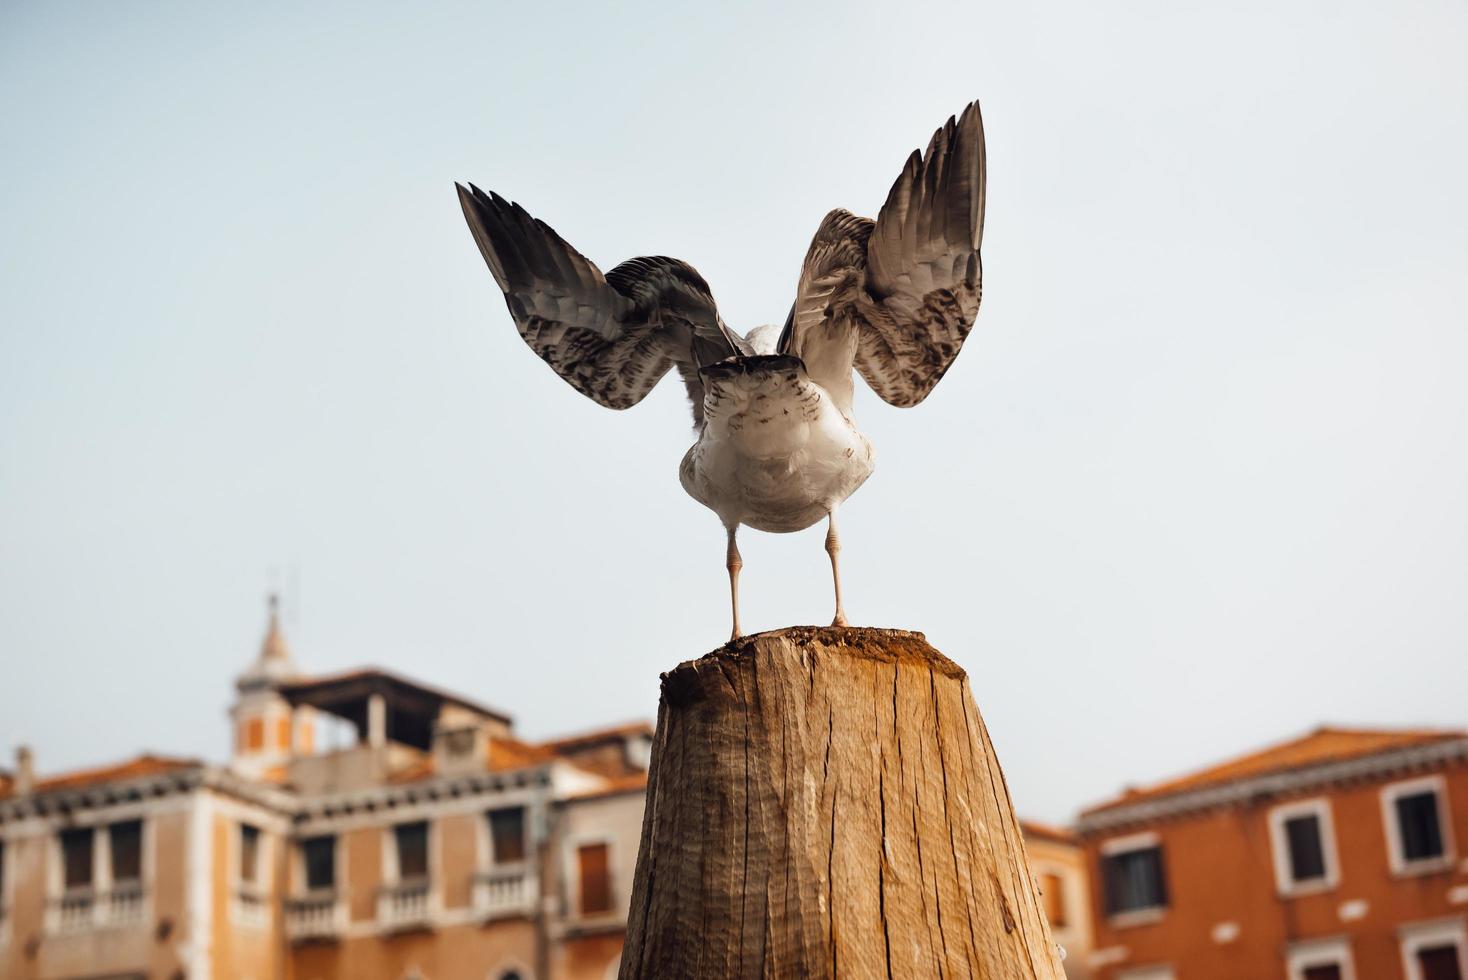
<point x="507" y="835"/>
<point x="1422" y="837"/>
<point x="596" y="879"/>
<point x="126" y="840"/>
<point x="1052" y="890"/>
<point x="249" y="853"/>
<point x="412" y="842"/>
<point x="76" y="858"/>
<point x="1307" y="855"/>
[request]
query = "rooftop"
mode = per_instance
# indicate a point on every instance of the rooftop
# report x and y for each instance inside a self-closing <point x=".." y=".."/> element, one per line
<point x="610" y="733"/>
<point x="1034" y="830"/>
<point x="137" y="767"/>
<point x="1324" y="745"/>
<point x="412" y="706"/>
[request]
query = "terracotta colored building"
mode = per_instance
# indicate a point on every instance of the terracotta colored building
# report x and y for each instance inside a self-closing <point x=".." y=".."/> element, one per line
<point x="434" y="846"/>
<point x="1333" y="856"/>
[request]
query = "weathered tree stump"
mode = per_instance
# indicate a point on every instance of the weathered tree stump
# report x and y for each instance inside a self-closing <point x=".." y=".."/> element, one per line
<point x="826" y="803"/>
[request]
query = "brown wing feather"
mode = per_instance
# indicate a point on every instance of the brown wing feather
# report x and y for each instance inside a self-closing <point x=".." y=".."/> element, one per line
<point x="899" y="294"/>
<point x="610" y="337"/>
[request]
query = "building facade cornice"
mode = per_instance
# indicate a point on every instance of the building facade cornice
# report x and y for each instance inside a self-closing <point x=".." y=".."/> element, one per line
<point x="46" y="803"/>
<point x="1239" y="792"/>
<point x="331" y="805"/>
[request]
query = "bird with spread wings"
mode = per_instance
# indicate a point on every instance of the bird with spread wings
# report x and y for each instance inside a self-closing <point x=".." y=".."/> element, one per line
<point x="777" y="447"/>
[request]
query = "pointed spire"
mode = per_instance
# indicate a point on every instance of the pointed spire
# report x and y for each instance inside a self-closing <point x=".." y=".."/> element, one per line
<point x="274" y="662"/>
<point x="274" y="647"/>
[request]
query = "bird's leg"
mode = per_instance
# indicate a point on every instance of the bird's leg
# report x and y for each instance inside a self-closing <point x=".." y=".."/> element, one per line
<point x="833" y="548"/>
<point x="734" y="563"/>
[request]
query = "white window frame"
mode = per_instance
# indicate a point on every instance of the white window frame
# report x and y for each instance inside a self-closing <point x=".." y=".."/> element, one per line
<point x="1134" y="917"/>
<point x="263" y="864"/>
<point x="1284" y="879"/>
<point x="485" y="840"/>
<point x="299" y="886"/>
<point x="264" y="881"/>
<point x="391" y="872"/>
<point x="1414" y="938"/>
<point x="1395" y="855"/>
<point x="1335" y="951"/>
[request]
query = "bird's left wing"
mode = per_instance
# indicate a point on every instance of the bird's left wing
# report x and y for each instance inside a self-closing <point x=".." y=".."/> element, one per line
<point x="898" y="296"/>
<point x="611" y="337"/>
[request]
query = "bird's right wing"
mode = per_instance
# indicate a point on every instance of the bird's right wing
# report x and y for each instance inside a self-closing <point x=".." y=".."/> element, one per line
<point x="611" y="337"/>
<point x="897" y="296"/>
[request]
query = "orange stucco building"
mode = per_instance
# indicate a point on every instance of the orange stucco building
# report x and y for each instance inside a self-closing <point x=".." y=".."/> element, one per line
<point x="1333" y="856"/>
<point x="435" y="846"/>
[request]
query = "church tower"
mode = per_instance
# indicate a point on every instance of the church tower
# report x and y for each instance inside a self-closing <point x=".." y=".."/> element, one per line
<point x="266" y="731"/>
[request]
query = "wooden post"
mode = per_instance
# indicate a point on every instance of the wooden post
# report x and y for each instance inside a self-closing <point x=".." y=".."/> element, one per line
<point x="826" y="803"/>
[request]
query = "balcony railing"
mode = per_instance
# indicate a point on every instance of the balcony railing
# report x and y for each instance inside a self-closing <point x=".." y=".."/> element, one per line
<point x="84" y="909"/>
<point x="405" y="904"/>
<point x="505" y="892"/>
<point x="250" y="907"/>
<point x="314" y="917"/>
<point x="76" y="911"/>
<point x="124" y="906"/>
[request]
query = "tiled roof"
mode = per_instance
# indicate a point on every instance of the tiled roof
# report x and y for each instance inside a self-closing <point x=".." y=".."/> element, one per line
<point x="1043" y="831"/>
<point x="622" y="784"/>
<point x="583" y="739"/>
<point x="503" y="755"/>
<point x="143" y="765"/>
<point x="1323" y="745"/>
<point x="510" y="753"/>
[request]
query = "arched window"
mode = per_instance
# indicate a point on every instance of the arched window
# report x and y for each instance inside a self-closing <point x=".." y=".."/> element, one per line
<point x="511" y="968"/>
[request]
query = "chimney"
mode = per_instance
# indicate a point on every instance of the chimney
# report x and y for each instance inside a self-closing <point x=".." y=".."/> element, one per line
<point x="25" y="769"/>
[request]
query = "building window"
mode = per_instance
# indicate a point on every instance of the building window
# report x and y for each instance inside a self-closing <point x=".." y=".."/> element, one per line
<point x="254" y="734"/>
<point x="318" y="855"/>
<point x="411" y="840"/>
<point x="1439" y="963"/>
<point x="249" y="854"/>
<point x="1435" y="951"/>
<point x="1052" y="893"/>
<point x="125" y="842"/>
<point x="507" y="835"/>
<point x="76" y="858"/>
<point x="1320" y="959"/>
<point x="594" y="866"/>
<point x="1422" y="834"/>
<point x="283" y="734"/>
<point x="1417" y="827"/>
<point x="1303" y="838"/>
<point x="1132" y="876"/>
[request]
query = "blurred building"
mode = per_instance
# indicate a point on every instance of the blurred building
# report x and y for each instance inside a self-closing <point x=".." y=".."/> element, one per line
<point x="434" y="845"/>
<point x="1333" y="856"/>
<point x="1059" y="866"/>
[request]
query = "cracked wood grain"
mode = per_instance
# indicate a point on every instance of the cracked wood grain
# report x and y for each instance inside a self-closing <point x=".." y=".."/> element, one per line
<point x="825" y="802"/>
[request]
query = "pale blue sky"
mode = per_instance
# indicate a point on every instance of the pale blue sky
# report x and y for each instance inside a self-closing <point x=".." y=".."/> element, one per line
<point x="1196" y="483"/>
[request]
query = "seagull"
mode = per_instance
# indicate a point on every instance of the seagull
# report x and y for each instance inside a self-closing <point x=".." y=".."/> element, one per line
<point x="777" y="446"/>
